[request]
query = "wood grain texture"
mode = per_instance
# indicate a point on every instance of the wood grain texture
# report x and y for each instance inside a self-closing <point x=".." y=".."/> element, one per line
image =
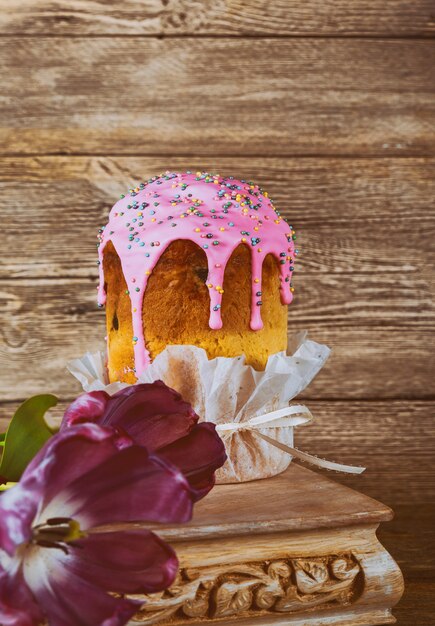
<point x="373" y="433"/>
<point x="224" y="565"/>
<point x="219" y="17"/>
<point x="352" y="216"/>
<point x="223" y="557"/>
<point x="181" y="96"/>
<point x="370" y="433"/>
<point x="48" y="323"/>
<point x="347" y="617"/>
<point x="358" y="287"/>
<point x="417" y="605"/>
<point x="104" y="82"/>
<point x="284" y="536"/>
<point x="412" y="550"/>
<point x="229" y="510"/>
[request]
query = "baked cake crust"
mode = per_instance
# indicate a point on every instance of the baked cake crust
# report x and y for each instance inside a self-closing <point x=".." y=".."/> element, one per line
<point x="194" y="259"/>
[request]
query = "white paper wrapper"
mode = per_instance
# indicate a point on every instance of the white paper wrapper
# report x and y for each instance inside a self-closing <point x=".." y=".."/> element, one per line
<point x="227" y="391"/>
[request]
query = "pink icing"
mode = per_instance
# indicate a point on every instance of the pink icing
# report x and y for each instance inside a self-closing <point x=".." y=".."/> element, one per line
<point x="214" y="212"/>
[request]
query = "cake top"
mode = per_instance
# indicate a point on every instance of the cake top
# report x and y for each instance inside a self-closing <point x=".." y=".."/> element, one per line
<point x="216" y="213"/>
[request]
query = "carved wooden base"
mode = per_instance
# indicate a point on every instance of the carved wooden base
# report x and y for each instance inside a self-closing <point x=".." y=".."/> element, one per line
<point x="297" y="549"/>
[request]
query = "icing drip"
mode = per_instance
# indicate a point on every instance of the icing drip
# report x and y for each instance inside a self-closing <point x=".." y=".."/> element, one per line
<point x="217" y="214"/>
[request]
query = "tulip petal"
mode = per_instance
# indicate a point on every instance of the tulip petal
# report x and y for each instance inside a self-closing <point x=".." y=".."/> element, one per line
<point x="88" y="407"/>
<point x="18" y="507"/>
<point x="198" y="456"/>
<point x="125" y="561"/>
<point x="69" y="455"/>
<point x="129" y="486"/>
<point x="157" y="417"/>
<point x="68" y="599"/>
<point x="151" y="413"/>
<point x="17" y="604"/>
<point x="66" y="456"/>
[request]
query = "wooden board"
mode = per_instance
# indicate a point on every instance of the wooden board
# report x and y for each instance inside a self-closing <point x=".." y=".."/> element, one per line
<point x="240" y="96"/>
<point x="48" y="323"/>
<point x="329" y="104"/>
<point x="284" y="536"/>
<point x="417" y="604"/>
<point x="369" y="433"/>
<point x="372" y="433"/>
<point x="219" y="17"/>
<point x="356" y="290"/>
<point x="296" y="500"/>
<point x="413" y="551"/>
<point x="352" y="216"/>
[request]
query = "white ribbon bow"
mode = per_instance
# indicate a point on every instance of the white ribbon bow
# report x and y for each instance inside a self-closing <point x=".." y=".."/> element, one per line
<point x="293" y="415"/>
<point x="275" y="419"/>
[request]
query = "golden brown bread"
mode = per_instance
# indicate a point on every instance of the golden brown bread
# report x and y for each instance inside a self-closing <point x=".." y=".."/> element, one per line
<point x="176" y="309"/>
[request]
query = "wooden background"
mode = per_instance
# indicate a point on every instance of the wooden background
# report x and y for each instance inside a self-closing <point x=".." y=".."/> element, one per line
<point x="330" y="105"/>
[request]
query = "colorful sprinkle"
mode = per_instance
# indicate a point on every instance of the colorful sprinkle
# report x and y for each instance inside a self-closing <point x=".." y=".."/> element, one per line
<point x="210" y="199"/>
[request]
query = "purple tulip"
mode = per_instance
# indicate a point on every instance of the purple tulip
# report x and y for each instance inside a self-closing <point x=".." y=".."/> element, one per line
<point x="55" y="564"/>
<point x="157" y="417"/>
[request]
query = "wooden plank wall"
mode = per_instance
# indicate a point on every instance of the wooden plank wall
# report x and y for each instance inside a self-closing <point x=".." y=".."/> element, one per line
<point x="330" y="106"/>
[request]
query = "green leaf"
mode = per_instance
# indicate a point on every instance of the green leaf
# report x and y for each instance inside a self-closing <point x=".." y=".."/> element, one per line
<point x="27" y="433"/>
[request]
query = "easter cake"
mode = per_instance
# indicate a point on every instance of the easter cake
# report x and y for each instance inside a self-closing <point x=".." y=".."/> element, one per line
<point x="194" y="259"/>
